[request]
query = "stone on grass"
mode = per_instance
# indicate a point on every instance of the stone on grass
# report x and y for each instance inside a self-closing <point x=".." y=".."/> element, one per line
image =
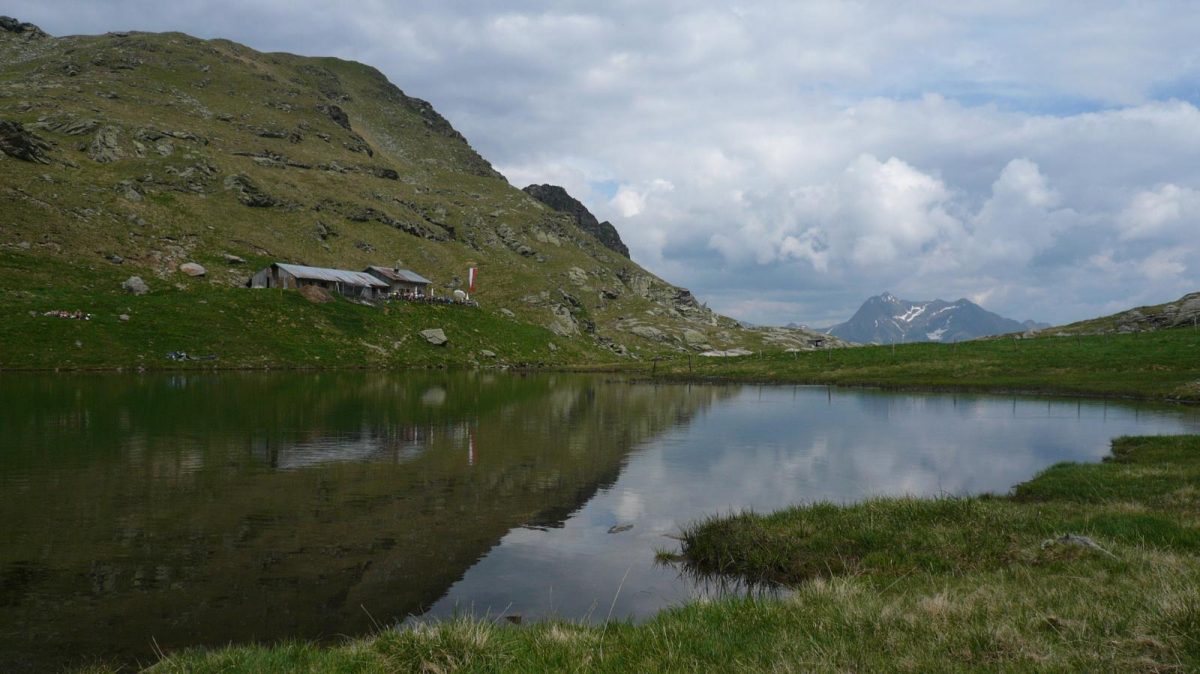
<point x="729" y="353"/>
<point x="435" y="336"/>
<point x="135" y="285"/>
<point x="192" y="269"/>
<point x="647" y="332"/>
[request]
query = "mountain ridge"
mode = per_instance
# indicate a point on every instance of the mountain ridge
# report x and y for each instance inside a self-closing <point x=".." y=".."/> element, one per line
<point x="887" y="319"/>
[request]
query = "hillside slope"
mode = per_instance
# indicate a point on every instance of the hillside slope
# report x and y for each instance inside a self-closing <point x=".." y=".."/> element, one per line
<point x="132" y="153"/>
<point x="1183" y="312"/>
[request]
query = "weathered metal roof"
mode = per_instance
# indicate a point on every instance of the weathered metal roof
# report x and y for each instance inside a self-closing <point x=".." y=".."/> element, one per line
<point x="406" y="275"/>
<point x="355" y="278"/>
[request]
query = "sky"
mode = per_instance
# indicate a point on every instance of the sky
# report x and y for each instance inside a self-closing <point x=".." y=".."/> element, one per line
<point x="787" y="159"/>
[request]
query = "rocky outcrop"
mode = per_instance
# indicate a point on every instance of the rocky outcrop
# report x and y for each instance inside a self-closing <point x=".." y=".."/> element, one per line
<point x="563" y="322"/>
<point x="28" y="30"/>
<point x="17" y="142"/>
<point x="69" y="125"/>
<point x="509" y="238"/>
<point x="248" y="193"/>
<point x="105" y="147"/>
<point x="337" y="115"/>
<point x="558" y="199"/>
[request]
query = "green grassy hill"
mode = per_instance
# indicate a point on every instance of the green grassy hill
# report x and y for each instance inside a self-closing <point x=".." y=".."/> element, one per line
<point x="1182" y="313"/>
<point x="130" y="154"/>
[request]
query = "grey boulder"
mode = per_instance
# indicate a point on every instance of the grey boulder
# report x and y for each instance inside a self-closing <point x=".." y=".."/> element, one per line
<point x="135" y="285"/>
<point x="435" y="336"/>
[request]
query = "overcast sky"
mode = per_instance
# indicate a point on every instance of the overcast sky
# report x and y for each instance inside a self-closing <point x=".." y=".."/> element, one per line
<point x="787" y="159"/>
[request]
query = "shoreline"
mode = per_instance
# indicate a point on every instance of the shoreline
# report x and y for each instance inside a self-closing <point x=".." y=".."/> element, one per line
<point x="637" y="374"/>
<point x="1079" y="556"/>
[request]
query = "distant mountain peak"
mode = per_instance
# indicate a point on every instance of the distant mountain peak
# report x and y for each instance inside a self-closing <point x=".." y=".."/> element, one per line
<point x="887" y="319"/>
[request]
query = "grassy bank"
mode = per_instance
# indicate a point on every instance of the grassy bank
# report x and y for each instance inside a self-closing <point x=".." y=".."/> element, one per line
<point x="1152" y="365"/>
<point x="982" y="584"/>
<point x="247" y="328"/>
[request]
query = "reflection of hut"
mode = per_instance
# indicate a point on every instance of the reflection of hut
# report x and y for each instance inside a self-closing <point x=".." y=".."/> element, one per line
<point x="349" y="283"/>
<point x="400" y="280"/>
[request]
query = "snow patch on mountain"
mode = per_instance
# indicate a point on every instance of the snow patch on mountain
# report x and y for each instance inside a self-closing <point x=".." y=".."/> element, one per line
<point x="912" y="313"/>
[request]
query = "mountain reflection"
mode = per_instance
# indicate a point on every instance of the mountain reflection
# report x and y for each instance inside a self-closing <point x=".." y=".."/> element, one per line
<point x="201" y="509"/>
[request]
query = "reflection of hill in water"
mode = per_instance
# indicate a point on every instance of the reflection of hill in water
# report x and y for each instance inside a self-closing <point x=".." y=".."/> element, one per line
<point x="210" y="509"/>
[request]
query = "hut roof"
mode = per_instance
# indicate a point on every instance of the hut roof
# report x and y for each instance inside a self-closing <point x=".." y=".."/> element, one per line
<point x="406" y="275"/>
<point x="356" y="278"/>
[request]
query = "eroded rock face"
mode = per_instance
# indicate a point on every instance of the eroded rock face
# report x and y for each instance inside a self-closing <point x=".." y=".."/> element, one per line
<point x="19" y="143"/>
<point x="563" y="323"/>
<point x="105" y="147"/>
<point x="69" y="126"/>
<point x="337" y="115"/>
<point x="558" y="199"/>
<point x="249" y="193"/>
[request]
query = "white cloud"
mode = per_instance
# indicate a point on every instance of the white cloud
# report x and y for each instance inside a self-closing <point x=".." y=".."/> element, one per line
<point x="630" y="200"/>
<point x="1157" y="212"/>
<point x="1018" y="221"/>
<point x="1163" y="265"/>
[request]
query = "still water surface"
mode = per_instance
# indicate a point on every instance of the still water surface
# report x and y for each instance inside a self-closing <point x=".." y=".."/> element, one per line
<point x="209" y="509"/>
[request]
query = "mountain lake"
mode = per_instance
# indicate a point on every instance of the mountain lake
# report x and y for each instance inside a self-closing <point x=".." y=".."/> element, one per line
<point x="161" y="511"/>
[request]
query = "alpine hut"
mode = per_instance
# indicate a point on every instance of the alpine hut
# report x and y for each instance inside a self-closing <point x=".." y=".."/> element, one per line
<point x="400" y="281"/>
<point x="354" y="284"/>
